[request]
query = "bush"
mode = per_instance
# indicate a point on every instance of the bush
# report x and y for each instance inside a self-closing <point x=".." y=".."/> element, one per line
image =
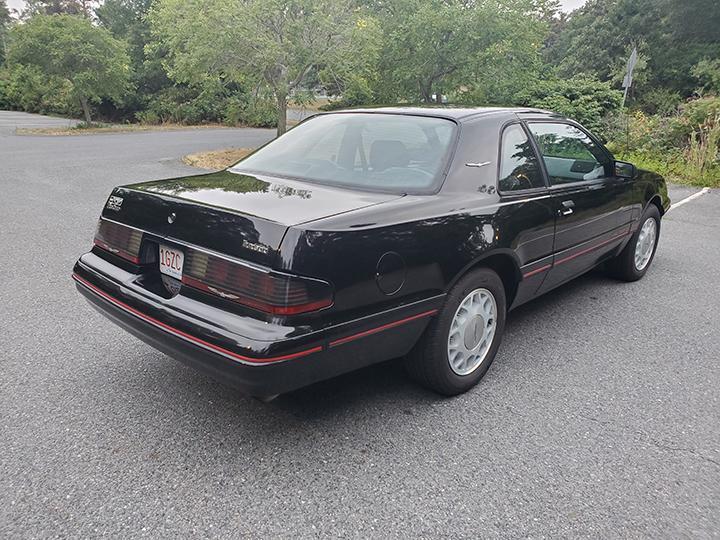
<point x="707" y="72"/>
<point x="4" y="83"/>
<point x="684" y="147"/>
<point x="581" y="98"/>
<point x="208" y="103"/>
<point x="253" y="113"/>
<point x="27" y="88"/>
<point x="357" y="93"/>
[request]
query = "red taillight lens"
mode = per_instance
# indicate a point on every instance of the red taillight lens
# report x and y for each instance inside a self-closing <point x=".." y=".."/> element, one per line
<point x="272" y="292"/>
<point x="119" y="240"/>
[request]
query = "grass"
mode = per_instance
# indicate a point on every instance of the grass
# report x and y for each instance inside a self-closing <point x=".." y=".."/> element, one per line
<point x="674" y="168"/>
<point x="91" y="129"/>
<point x="216" y="159"/>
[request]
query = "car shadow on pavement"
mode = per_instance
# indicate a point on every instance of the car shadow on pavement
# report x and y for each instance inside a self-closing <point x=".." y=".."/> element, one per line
<point x="385" y="380"/>
<point x="370" y="391"/>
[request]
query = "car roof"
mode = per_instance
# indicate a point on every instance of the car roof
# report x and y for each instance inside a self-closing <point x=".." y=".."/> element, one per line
<point x="459" y="114"/>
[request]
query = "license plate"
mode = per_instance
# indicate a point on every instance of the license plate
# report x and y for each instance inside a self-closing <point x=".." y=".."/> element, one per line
<point x="171" y="261"/>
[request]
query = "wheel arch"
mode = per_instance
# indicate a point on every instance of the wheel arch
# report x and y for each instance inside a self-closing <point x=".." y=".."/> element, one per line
<point x="657" y="201"/>
<point x="504" y="263"/>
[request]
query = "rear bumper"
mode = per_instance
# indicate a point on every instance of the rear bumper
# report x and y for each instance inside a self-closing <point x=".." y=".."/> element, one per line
<point x="236" y="350"/>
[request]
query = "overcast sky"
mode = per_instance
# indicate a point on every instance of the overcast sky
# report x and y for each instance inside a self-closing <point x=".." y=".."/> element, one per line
<point x="567" y="5"/>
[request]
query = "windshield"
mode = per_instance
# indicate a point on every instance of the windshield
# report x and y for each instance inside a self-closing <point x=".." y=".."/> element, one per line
<point x="385" y="152"/>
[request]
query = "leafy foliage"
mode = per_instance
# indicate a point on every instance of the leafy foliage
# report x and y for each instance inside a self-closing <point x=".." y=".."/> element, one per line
<point x="672" y="36"/>
<point x="29" y="89"/>
<point x="454" y="47"/>
<point x="241" y="61"/>
<point x="127" y="21"/>
<point x="684" y="146"/>
<point x="83" y="8"/>
<point x="4" y="29"/>
<point x="707" y="72"/>
<point x="583" y="98"/>
<point x="88" y="59"/>
<point x="274" y="42"/>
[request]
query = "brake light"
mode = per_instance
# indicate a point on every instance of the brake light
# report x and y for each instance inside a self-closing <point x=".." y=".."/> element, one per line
<point x="119" y="240"/>
<point x="271" y="292"/>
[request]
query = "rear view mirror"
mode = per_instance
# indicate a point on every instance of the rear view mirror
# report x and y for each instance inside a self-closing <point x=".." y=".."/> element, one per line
<point x="625" y="170"/>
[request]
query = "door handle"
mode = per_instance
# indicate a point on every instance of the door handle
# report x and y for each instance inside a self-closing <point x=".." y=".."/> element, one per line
<point x="567" y="208"/>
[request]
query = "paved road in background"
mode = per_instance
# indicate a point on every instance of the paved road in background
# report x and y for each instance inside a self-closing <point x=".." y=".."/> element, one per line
<point x="599" y="418"/>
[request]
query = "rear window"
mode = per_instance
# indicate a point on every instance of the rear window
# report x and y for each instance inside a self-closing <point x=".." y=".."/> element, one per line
<point x="377" y="152"/>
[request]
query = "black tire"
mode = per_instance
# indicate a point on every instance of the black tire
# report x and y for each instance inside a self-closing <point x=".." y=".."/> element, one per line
<point x="623" y="265"/>
<point x="428" y="362"/>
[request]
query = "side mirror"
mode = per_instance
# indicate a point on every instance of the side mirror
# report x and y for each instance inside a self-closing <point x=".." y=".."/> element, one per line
<point x="625" y="170"/>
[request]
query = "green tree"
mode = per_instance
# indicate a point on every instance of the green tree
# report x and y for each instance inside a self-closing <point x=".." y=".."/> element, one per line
<point x="59" y="7"/>
<point x="71" y="48"/>
<point x="582" y="98"/>
<point x="672" y="37"/>
<point x="708" y="74"/>
<point x="127" y="20"/>
<point x="5" y="21"/>
<point x="277" y="43"/>
<point x="436" y="47"/>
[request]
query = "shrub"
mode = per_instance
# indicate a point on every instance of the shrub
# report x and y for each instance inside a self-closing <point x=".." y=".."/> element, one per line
<point x="684" y="147"/>
<point x="582" y="98"/>
<point x="357" y="93"/>
<point x="27" y="88"/>
<point x="708" y="73"/>
<point x="257" y="112"/>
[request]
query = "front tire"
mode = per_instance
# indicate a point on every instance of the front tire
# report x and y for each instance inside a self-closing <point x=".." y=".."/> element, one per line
<point x="460" y="344"/>
<point x="634" y="260"/>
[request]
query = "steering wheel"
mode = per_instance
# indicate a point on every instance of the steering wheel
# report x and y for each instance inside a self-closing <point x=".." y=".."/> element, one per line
<point x="523" y="180"/>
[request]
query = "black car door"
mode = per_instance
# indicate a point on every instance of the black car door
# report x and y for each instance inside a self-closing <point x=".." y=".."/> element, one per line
<point x="526" y="210"/>
<point x="587" y="197"/>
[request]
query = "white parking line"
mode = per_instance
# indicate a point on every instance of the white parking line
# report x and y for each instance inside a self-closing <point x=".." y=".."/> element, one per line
<point x="703" y="191"/>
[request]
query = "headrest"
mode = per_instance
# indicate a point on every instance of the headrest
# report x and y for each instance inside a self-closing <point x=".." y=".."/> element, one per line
<point x="386" y="154"/>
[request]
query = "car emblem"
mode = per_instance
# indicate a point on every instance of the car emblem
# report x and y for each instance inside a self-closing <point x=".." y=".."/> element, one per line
<point x="479" y="164"/>
<point x="258" y="248"/>
<point x="114" y="203"/>
<point x="171" y="284"/>
<point x="172" y="217"/>
<point x="223" y="294"/>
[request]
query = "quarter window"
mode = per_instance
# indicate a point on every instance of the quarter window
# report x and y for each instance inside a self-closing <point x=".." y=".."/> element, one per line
<point x="518" y="164"/>
<point x="570" y="155"/>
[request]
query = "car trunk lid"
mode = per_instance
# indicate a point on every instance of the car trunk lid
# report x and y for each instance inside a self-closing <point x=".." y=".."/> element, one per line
<point x="241" y="215"/>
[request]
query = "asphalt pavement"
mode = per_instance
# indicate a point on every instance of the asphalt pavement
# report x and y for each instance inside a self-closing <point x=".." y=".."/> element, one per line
<point x="599" y="418"/>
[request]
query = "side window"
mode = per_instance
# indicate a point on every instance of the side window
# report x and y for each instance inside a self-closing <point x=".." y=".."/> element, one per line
<point x="570" y="155"/>
<point x="518" y="164"/>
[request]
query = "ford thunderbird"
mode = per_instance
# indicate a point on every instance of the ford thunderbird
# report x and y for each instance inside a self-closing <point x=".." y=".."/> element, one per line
<point x="365" y="235"/>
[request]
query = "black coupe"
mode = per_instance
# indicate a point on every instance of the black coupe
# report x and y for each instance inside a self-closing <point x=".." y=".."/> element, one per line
<point x="365" y="235"/>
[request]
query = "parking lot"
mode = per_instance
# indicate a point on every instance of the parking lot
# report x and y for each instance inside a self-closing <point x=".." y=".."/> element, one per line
<point x="599" y="418"/>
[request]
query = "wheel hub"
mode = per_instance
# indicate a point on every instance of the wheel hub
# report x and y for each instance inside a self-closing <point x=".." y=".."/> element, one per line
<point x="472" y="331"/>
<point x="645" y="244"/>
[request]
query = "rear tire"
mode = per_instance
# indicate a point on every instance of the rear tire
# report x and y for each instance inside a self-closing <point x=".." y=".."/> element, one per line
<point x="632" y="263"/>
<point x="460" y="344"/>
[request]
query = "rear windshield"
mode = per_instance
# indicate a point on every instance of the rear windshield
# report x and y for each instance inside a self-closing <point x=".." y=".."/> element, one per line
<point x="377" y="152"/>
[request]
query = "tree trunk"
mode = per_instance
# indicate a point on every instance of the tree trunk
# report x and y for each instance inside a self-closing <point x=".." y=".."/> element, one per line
<point x="426" y="91"/>
<point x="86" y="110"/>
<point x="282" y="114"/>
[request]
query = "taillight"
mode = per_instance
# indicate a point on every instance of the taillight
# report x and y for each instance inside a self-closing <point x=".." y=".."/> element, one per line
<point x="118" y="239"/>
<point x="271" y="292"/>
